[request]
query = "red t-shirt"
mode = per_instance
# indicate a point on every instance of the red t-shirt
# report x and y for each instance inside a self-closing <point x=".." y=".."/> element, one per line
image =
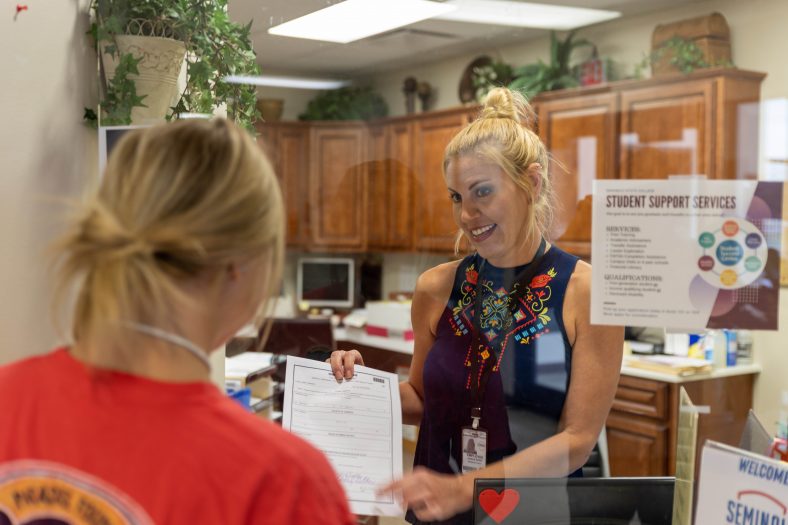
<point x="82" y="445"/>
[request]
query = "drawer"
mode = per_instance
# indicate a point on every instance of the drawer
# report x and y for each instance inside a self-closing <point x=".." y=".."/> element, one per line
<point x="642" y="397"/>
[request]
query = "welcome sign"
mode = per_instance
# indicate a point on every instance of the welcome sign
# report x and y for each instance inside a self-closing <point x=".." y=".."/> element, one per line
<point x="741" y="488"/>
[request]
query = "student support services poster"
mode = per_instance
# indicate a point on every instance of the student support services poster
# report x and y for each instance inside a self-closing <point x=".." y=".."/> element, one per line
<point x="687" y="253"/>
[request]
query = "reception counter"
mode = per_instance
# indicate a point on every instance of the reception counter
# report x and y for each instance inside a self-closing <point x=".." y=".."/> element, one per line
<point x="642" y="424"/>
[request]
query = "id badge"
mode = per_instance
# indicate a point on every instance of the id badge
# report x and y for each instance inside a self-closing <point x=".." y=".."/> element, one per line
<point x="474" y="449"/>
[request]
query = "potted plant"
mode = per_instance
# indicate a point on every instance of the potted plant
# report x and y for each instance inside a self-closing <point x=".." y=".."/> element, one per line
<point x="347" y="103"/>
<point x="535" y="78"/>
<point x="213" y="47"/>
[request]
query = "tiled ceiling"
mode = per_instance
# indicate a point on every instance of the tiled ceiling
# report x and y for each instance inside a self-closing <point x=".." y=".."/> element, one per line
<point x="423" y="42"/>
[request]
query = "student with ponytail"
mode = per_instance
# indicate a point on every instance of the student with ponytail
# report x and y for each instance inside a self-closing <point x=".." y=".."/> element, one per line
<point x="505" y="355"/>
<point x="178" y="248"/>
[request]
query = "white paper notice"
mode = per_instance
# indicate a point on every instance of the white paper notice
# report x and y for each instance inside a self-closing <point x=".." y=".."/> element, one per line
<point x="357" y="424"/>
<point x="686" y="254"/>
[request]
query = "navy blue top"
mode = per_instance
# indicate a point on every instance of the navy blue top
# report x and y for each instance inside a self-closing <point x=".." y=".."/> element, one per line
<point x="527" y="389"/>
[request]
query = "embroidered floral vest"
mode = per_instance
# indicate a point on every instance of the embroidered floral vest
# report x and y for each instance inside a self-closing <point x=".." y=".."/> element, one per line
<point x="527" y="389"/>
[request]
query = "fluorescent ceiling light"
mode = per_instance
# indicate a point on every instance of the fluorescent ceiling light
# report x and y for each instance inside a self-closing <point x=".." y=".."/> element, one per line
<point x="287" y="82"/>
<point x="525" y="14"/>
<point x="355" y="19"/>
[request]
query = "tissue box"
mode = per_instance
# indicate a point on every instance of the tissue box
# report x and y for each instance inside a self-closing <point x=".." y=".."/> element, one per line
<point x="389" y="319"/>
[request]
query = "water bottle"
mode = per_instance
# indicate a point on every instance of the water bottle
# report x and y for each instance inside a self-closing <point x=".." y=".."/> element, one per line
<point x="708" y="345"/>
<point x="731" y="348"/>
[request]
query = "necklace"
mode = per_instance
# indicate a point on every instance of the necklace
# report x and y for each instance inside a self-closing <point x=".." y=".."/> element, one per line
<point x="175" y="339"/>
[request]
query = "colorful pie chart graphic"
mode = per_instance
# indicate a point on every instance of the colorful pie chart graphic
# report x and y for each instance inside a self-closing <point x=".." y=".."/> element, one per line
<point x="731" y="253"/>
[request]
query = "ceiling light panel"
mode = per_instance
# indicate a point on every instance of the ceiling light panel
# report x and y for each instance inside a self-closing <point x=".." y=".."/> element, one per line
<point x="356" y="19"/>
<point x="287" y="82"/>
<point x="525" y="14"/>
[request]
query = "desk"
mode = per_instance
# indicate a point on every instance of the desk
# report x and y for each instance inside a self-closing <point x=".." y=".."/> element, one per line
<point x="642" y="424"/>
<point x="383" y="353"/>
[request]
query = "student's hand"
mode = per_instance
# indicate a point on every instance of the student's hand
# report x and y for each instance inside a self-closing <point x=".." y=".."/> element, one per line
<point x="433" y="496"/>
<point x="342" y="362"/>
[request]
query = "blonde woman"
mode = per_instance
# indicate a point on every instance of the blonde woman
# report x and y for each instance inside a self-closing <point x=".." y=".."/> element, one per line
<point x="505" y="355"/>
<point x="179" y="247"/>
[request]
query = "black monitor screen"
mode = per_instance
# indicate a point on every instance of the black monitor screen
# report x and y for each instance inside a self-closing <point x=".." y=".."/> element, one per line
<point x="601" y="501"/>
<point x="326" y="282"/>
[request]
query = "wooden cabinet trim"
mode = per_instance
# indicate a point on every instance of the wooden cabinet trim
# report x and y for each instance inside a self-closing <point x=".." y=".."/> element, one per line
<point x="624" y="85"/>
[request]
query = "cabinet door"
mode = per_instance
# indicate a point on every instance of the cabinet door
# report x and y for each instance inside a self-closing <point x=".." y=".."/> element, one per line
<point x="287" y="146"/>
<point x="377" y="175"/>
<point x="435" y="227"/>
<point x="636" y="446"/>
<point x="580" y="133"/>
<point x="401" y="182"/>
<point x="293" y="152"/>
<point x="337" y="187"/>
<point x="668" y="130"/>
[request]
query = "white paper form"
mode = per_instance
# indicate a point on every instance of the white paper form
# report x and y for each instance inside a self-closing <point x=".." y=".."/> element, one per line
<point x="356" y="423"/>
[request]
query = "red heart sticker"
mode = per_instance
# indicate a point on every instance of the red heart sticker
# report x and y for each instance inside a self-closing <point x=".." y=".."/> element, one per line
<point x="499" y="506"/>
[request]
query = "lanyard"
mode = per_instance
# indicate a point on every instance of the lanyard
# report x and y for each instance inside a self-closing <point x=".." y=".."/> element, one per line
<point x="479" y="356"/>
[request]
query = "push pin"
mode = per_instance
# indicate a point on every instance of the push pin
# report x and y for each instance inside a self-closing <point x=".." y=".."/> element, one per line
<point x="19" y="9"/>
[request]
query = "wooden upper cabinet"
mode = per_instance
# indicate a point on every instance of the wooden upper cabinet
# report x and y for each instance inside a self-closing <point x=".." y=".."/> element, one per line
<point x="435" y="229"/>
<point x="667" y="130"/>
<point x="337" y="186"/>
<point x="580" y="134"/>
<point x="705" y="123"/>
<point x="377" y="175"/>
<point x="293" y="145"/>
<point x="287" y="147"/>
<point x="390" y="186"/>
<point x="401" y="183"/>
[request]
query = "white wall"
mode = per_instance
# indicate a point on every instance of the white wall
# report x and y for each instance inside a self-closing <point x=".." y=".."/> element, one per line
<point x="46" y="154"/>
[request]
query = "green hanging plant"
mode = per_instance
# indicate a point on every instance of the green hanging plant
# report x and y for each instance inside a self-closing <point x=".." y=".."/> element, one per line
<point x="216" y="47"/>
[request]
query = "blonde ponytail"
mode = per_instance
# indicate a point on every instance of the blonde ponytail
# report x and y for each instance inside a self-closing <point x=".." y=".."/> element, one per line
<point x="176" y="200"/>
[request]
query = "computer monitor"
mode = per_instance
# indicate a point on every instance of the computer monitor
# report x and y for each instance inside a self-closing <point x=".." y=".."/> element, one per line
<point x="576" y="501"/>
<point x="326" y="281"/>
<point x="108" y="137"/>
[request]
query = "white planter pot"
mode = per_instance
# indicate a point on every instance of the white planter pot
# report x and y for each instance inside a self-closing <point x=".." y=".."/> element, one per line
<point x="161" y="62"/>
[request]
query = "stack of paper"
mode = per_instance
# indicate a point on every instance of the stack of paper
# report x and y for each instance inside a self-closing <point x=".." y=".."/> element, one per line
<point x="669" y="364"/>
<point x="247" y="366"/>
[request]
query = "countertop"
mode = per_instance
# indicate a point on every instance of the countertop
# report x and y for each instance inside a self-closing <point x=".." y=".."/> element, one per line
<point x="750" y="368"/>
<point x="359" y="336"/>
<point x="406" y="347"/>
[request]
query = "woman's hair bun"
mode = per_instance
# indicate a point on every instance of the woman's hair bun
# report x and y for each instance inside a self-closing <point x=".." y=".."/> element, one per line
<point x="101" y="233"/>
<point x="504" y="103"/>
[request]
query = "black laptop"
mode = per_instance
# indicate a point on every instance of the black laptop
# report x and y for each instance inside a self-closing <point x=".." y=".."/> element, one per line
<point x="575" y="501"/>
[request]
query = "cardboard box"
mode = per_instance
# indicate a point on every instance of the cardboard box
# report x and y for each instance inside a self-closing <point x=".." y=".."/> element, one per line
<point x="389" y="319"/>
